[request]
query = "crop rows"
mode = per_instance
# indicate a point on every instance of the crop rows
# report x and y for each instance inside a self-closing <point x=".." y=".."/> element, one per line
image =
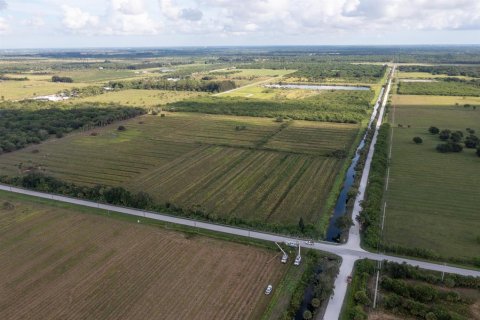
<point x="251" y="168"/>
<point x="101" y="268"/>
<point x="251" y="184"/>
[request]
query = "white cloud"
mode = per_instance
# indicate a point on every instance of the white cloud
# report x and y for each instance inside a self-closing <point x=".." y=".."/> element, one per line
<point x="77" y="20"/>
<point x="4" y="27"/>
<point x="122" y="17"/>
<point x="316" y="16"/>
<point x="3" y="5"/>
<point x="35" y="22"/>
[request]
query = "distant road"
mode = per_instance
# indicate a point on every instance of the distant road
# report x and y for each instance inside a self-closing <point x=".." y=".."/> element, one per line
<point x="350" y="252"/>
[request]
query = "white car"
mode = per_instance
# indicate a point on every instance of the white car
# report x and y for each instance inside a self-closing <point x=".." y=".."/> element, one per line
<point x="269" y="289"/>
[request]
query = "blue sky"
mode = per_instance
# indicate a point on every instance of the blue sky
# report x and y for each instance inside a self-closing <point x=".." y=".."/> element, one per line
<point x="158" y="23"/>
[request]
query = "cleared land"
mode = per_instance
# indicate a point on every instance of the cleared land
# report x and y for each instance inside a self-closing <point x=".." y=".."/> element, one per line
<point x="15" y="90"/>
<point x="252" y="168"/>
<point x="141" y="98"/>
<point x="432" y="198"/>
<point x="60" y="261"/>
<point x="416" y="100"/>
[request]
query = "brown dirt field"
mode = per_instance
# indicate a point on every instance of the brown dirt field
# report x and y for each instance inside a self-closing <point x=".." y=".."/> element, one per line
<point x="60" y="264"/>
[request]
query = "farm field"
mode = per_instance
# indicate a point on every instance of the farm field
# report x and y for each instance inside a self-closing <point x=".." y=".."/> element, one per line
<point x="261" y="92"/>
<point x="440" y="88"/>
<point x="426" y="75"/>
<point x="63" y="261"/>
<point x="432" y="198"/>
<point x="142" y="98"/>
<point x="422" y="100"/>
<point x="250" y="168"/>
<point x="15" y="90"/>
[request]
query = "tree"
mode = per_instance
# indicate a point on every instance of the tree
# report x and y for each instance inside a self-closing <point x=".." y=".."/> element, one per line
<point x="444" y="134"/>
<point x="301" y="224"/>
<point x="358" y="313"/>
<point x="417" y="140"/>
<point x="362" y="298"/>
<point x="316" y="303"/>
<point x="344" y="222"/>
<point x="430" y="316"/>
<point x="433" y="130"/>
<point x="456" y="136"/>
<point x="307" y="315"/>
<point x="478" y="152"/>
<point x="471" y="141"/>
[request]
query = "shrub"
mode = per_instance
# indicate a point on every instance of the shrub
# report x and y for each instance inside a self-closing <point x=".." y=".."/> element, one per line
<point x="445" y="134"/>
<point x="433" y="130"/>
<point x="417" y="140"/>
<point x="121" y="128"/>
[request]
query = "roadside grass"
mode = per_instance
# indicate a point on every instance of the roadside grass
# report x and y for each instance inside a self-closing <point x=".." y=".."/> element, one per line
<point x="141" y="98"/>
<point x="433" y="198"/>
<point x="250" y="168"/>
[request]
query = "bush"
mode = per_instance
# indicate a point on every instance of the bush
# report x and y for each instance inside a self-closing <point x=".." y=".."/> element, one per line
<point x="307" y="315"/>
<point x="433" y="130"/>
<point x="62" y="79"/>
<point x="121" y="128"/>
<point x="417" y="140"/>
<point x="445" y="134"/>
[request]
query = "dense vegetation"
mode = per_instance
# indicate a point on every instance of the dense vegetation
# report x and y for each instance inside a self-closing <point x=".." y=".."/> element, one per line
<point x="181" y="85"/>
<point x="333" y="106"/>
<point x="62" y="79"/>
<point x="318" y="277"/>
<point x="410" y="291"/>
<point x="452" y="71"/>
<point x="36" y="179"/>
<point x="445" y="87"/>
<point x="317" y="71"/>
<point x="372" y="205"/>
<point x="21" y="126"/>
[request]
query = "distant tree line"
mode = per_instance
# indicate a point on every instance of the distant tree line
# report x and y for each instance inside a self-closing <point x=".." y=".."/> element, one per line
<point x="181" y="85"/>
<point x="316" y="70"/>
<point x="336" y="106"/>
<point x="21" y="125"/>
<point x="452" y="71"/>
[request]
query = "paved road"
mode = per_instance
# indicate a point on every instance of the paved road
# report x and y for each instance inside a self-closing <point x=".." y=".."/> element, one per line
<point x="350" y="252"/>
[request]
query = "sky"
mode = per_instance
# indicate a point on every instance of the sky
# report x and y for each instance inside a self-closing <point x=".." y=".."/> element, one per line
<point x="169" y="23"/>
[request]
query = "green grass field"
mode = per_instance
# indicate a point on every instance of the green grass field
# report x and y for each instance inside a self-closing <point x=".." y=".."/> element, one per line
<point x="268" y="171"/>
<point x="415" y="100"/>
<point x="141" y="98"/>
<point x="426" y="75"/>
<point x="15" y="90"/>
<point x="432" y="198"/>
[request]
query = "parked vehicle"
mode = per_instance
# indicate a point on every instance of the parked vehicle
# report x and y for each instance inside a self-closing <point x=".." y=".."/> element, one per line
<point x="269" y="289"/>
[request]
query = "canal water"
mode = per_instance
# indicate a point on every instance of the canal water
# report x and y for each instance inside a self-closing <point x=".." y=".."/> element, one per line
<point x="316" y="87"/>
<point x="333" y="231"/>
